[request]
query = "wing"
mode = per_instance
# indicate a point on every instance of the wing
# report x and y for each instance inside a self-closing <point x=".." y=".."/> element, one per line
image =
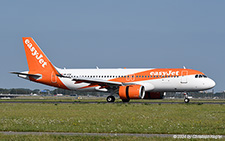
<point x="96" y="82"/>
<point x="102" y="83"/>
<point x="110" y="85"/>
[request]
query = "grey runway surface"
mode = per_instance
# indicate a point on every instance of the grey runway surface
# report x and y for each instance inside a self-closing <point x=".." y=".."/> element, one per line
<point x="113" y="134"/>
<point x="66" y="102"/>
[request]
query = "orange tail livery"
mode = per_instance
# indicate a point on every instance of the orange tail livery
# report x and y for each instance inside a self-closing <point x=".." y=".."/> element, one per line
<point x="41" y="69"/>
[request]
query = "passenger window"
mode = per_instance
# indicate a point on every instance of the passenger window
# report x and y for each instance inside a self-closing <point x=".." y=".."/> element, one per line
<point x="196" y="76"/>
<point x="200" y="76"/>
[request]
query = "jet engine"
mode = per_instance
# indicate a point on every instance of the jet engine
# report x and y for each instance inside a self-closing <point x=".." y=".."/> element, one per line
<point x="132" y="92"/>
<point x="154" y="95"/>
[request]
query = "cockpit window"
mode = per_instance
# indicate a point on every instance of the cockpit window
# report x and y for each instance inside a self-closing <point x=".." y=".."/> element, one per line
<point x="200" y="76"/>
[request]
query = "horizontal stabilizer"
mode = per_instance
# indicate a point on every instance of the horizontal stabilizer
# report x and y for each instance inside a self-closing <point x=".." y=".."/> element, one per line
<point x="36" y="76"/>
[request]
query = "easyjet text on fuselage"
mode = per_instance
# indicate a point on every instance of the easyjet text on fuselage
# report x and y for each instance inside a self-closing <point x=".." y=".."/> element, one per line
<point x="165" y="73"/>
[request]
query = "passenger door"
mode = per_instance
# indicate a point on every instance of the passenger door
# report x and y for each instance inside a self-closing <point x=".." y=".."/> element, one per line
<point x="184" y="75"/>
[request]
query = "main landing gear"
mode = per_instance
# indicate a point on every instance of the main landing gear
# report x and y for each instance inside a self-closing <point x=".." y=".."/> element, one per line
<point x="125" y="100"/>
<point x="110" y="98"/>
<point x="186" y="99"/>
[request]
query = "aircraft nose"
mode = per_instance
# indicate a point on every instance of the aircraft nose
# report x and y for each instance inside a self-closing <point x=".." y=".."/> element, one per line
<point x="211" y="83"/>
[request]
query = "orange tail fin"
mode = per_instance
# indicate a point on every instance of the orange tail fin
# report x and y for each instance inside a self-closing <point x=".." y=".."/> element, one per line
<point x="38" y="63"/>
<point x="37" y="60"/>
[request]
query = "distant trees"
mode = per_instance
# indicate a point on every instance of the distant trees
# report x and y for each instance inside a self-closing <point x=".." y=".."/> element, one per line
<point x="15" y="91"/>
<point x="4" y="91"/>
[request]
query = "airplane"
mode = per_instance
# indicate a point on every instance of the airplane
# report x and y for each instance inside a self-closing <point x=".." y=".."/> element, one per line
<point x="135" y="83"/>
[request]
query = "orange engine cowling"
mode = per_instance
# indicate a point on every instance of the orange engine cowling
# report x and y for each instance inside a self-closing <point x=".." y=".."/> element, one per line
<point x="154" y="95"/>
<point x="132" y="92"/>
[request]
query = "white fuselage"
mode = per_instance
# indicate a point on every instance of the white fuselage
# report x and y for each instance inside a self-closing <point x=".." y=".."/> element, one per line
<point x="175" y="83"/>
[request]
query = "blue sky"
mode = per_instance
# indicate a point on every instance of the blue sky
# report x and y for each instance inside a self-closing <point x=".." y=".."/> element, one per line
<point x="114" y="34"/>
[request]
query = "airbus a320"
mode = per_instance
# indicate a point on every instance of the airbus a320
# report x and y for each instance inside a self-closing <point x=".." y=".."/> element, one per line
<point x="135" y="83"/>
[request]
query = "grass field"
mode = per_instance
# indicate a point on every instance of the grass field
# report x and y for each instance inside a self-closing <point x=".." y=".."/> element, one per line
<point x="114" y="118"/>
<point x="84" y="138"/>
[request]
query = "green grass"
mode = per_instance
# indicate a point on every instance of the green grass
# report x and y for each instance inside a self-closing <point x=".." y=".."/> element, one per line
<point x="70" y="138"/>
<point x="114" y="118"/>
<point x="85" y="138"/>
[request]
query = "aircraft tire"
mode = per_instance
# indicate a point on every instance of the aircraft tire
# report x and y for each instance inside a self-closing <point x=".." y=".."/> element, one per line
<point x="110" y="98"/>
<point x="125" y="100"/>
<point x="186" y="100"/>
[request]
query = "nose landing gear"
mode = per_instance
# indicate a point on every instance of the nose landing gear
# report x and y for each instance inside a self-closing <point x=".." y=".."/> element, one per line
<point x="186" y="99"/>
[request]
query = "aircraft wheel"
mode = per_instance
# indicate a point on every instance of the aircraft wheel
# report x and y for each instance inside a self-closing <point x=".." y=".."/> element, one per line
<point x="110" y="99"/>
<point x="186" y="100"/>
<point x="125" y="100"/>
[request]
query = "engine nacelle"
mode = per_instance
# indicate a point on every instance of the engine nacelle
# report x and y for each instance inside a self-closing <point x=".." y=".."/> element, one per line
<point x="154" y="95"/>
<point x="132" y="92"/>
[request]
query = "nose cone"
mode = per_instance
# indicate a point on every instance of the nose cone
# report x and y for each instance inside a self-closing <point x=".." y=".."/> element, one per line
<point x="211" y="83"/>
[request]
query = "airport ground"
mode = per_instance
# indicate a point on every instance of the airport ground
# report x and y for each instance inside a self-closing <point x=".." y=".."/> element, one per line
<point x="91" y="115"/>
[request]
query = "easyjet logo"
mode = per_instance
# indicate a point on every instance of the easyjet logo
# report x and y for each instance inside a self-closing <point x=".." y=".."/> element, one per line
<point x="164" y="73"/>
<point x="37" y="55"/>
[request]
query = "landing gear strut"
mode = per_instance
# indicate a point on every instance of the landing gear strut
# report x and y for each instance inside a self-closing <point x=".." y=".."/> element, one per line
<point x="186" y="99"/>
<point x="110" y="98"/>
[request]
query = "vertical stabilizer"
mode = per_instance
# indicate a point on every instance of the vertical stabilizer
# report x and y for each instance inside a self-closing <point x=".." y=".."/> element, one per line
<point x="37" y="60"/>
<point x="39" y="63"/>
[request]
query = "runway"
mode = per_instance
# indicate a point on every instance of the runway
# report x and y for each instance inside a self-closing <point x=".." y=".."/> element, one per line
<point x="114" y="134"/>
<point x="88" y="102"/>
